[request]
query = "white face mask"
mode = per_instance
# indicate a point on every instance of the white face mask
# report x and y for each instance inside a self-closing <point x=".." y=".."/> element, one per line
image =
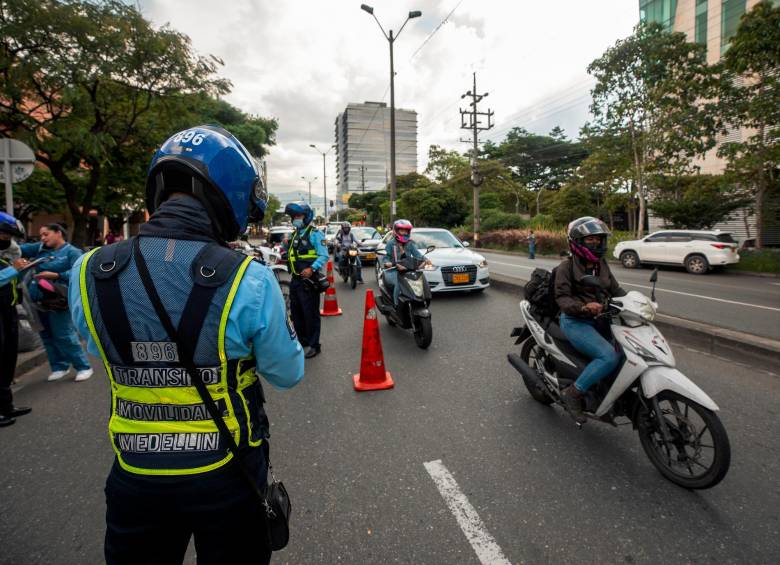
<point x="298" y="224"/>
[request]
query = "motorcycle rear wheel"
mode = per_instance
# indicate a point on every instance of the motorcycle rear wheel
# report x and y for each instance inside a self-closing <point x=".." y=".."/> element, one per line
<point x="423" y="332"/>
<point x="691" y="448"/>
<point x="529" y="353"/>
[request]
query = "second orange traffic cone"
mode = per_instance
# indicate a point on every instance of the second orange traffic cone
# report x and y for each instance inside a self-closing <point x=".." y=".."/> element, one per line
<point x="331" y="305"/>
<point x="372" y="375"/>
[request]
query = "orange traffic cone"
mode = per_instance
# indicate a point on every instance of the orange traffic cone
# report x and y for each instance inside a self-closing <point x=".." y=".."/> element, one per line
<point x="331" y="305"/>
<point x="372" y="375"/>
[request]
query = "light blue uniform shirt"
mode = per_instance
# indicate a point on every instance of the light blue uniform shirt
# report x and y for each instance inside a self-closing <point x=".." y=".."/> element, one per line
<point x="317" y="239"/>
<point x="7" y="275"/>
<point x="257" y="323"/>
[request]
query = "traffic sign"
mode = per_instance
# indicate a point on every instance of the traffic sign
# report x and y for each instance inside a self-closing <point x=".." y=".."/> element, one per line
<point x="18" y="164"/>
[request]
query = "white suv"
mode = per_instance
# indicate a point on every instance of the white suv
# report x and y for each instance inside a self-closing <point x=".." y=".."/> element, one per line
<point x="698" y="251"/>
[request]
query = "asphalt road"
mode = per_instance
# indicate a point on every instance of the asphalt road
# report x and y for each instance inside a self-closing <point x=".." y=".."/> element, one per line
<point x="354" y="463"/>
<point x="738" y="302"/>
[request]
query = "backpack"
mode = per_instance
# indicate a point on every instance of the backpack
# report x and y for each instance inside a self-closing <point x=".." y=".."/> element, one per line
<point x="540" y="292"/>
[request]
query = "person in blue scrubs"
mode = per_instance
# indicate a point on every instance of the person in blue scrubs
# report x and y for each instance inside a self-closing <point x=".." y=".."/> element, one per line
<point x="62" y="345"/>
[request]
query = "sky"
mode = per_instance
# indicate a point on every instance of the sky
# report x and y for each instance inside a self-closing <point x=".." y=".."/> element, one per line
<point x="303" y="61"/>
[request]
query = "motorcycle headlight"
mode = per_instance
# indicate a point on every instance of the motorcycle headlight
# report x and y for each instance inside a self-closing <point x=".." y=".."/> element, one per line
<point x="483" y="264"/>
<point x="416" y="286"/>
<point x="647" y="312"/>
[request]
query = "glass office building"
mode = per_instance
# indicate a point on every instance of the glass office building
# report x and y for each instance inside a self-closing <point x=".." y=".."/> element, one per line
<point x="363" y="146"/>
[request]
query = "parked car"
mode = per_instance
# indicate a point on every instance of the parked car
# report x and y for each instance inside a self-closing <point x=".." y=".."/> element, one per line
<point x="455" y="267"/>
<point x="330" y="235"/>
<point x="698" y="251"/>
<point x="279" y="234"/>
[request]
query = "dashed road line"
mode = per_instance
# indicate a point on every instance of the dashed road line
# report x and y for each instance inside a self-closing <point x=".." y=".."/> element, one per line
<point x="484" y="545"/>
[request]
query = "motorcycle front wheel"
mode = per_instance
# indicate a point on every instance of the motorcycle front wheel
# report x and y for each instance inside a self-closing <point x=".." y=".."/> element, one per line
<point x="423" y="332"/>
<point x="530" y="353"/>
<point x="353" y="276"/>
<point x="698" y="453"/>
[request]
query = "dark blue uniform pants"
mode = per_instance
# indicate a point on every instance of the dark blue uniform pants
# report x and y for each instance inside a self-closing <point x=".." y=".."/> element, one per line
<point x="9" y="346"/>
<point x="149" y="520"/>
<point x="305" y="312"/>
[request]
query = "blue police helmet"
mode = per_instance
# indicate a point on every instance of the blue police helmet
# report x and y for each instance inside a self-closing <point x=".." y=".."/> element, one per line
<point x="10" y="225"/>
<point x="211" y="164"/>
<point x="300" y="208"/>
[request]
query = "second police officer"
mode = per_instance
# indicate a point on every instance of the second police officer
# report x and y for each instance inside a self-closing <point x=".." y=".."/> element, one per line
<point x="306" y="255"/>
<point x="176" y="295"/>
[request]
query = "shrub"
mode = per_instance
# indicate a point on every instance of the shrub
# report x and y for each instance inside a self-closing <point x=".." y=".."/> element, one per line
<point x="493" y="220"/>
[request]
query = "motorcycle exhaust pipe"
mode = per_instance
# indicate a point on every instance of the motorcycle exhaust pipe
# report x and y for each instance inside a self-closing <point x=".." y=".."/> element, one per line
<point x="523" y="368"/>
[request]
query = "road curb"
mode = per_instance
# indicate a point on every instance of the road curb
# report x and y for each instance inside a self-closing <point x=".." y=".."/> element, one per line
<point x="29" y="360"/>
<point x="615" y="262"/>
<point x="762" y="352"/>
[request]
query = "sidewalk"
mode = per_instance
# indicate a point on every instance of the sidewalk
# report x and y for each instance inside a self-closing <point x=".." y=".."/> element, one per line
<point x="29" y="360"/>
<point x="762" y="351"/>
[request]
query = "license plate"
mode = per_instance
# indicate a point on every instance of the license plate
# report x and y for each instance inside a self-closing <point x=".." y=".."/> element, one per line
<point x="370" y="256"/>
<point x="460" y="278"/>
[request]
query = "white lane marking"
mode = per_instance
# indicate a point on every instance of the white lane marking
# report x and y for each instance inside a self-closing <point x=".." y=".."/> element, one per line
<point x="511" y="265"/>
<point x="481" y="541"/>
<point x="773" y="309"/>
<point x="705" y="297"/>
<point x="776" y="284"/>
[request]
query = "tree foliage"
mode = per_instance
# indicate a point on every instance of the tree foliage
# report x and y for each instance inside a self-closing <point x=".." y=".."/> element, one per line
<point x="695" y="201"/>
<point x="94" y="88"/>
<point x="653" y="90"/>
<point x="750" y="98"/>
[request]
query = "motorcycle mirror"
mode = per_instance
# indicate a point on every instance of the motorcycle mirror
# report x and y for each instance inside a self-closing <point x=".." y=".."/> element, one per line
<point x="430" y="248"/>
<point x="565" y="253"/>
<point x="466" y="244"/>
<point x="654" y="275"/>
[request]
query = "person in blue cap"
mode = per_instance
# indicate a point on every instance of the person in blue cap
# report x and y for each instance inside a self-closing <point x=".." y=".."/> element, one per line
<point x="11" y="265"/>
<point x="306" y="255"/>
<point x="176" y="315"/>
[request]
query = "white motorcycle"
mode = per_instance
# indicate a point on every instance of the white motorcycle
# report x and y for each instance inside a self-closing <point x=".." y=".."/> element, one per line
<point x="677" y="422"/>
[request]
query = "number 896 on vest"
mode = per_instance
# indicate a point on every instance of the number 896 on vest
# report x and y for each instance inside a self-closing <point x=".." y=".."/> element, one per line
<point x="151" y="351"/>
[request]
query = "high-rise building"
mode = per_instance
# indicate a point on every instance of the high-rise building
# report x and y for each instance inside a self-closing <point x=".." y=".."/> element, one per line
<point x="712" y="23"/>
<point x="363" y="147"/>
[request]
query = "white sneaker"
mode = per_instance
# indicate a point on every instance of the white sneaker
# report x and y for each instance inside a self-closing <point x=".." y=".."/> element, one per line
<point x="57" y="375"/>
<point x="83" y="375"/>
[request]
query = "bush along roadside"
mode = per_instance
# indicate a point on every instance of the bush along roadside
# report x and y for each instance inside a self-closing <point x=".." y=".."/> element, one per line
<point x="758" y="261"/>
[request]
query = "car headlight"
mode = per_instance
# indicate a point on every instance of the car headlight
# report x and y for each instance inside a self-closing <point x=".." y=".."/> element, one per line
<point x="430" y="267"/>
<point x="483" y="264"/>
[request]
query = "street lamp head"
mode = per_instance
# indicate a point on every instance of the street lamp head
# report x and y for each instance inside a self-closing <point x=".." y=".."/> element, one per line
<point x="415" y="14"/>
<point x="312" y="145"/>
<point x="367" y="8"/>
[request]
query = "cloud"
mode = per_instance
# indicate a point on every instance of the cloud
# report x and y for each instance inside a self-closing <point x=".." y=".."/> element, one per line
<point x="303" y="62"/>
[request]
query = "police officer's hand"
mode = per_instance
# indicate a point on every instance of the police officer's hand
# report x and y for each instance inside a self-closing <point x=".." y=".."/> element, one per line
<point x="48" y="275"/>
<point x="594" y="308"/>
<point x="388" y="265"/>
<point x="307" y="273"/>
<point x="20" y="264"/>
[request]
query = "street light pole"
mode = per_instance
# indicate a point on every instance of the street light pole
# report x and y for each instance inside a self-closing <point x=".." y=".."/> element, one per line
<point x="391" y="40"/>
<point x="324" y="176"/>
<point x="309" y="181"/>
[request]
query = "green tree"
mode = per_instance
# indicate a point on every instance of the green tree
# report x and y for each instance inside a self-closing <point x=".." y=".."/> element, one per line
<point x="443" y="164"/>
<point x="271" y="210"/>
<point x="571" y="202"/>
<point x="434" y="206"/>
<point x="255" y="132"/>
<point x="92" y="86"/>
<point x="695" y="201"/>
<point x="653" y="89"/>
<point x="38" y="193"/>
<point x="750" y="98"/>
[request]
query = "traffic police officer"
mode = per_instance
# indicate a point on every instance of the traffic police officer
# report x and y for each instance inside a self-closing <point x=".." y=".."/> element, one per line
<point x="306" y="255"/>
<point x="10" y="266"/>
<point x="174" y="476"/>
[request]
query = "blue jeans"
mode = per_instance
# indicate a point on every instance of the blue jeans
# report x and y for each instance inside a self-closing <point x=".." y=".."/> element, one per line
<point x="61" y="342"/>
<point x="391" y="282"/>
<point x="586" y="339"/>
<point x="531" y="250"/>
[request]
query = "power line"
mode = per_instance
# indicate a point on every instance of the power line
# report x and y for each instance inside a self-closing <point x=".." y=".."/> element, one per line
<point x="427" y="39"/>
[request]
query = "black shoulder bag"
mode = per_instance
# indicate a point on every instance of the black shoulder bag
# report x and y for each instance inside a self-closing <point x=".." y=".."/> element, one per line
<point x="274" y="501"/>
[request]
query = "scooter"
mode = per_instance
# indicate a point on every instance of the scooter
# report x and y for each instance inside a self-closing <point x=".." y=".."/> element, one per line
<point x="677" y="423"/>
<point x="347" y="266"/>
<point x="413" y="301"/>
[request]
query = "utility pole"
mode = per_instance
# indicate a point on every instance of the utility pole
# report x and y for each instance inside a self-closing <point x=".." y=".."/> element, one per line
<point x="362" y="178"/>
<point x="324" y="176"/>
<point x="474" y="124"/>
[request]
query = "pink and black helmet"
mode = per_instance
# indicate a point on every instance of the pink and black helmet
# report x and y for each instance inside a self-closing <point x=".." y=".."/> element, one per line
<point x="583" y="227"/>
<point x="402" y="225"/>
